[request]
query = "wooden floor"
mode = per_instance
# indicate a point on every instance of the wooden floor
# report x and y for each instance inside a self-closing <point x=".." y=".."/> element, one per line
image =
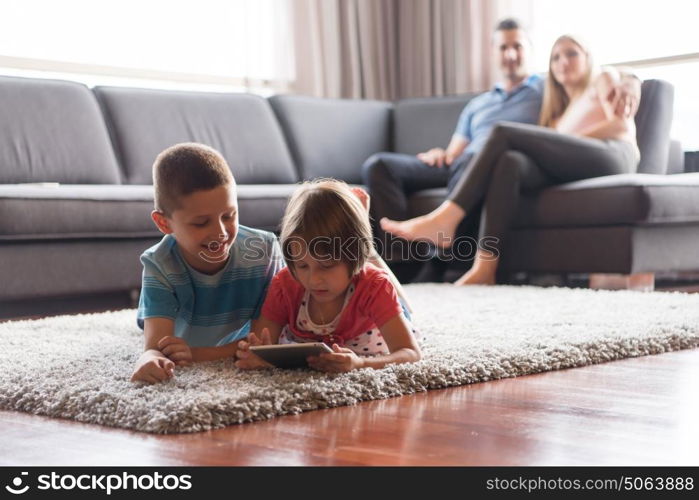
<point x="639" y="411"/>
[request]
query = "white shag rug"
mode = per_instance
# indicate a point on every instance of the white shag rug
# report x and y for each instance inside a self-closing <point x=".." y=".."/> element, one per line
<point x="78" y="367"/>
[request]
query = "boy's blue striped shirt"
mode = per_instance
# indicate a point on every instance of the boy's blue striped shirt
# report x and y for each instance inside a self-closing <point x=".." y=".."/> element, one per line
<point x="209" y="310"/>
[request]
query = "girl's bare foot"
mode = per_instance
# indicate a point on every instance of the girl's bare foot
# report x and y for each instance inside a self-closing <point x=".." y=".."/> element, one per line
<point x="437" y="227"/>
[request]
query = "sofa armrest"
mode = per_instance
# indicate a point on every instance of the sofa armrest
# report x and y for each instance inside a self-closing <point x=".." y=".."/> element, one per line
<point x="675" y="158"/>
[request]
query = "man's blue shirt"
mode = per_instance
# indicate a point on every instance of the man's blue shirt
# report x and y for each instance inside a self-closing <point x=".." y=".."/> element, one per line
<point x="482" y="113"/>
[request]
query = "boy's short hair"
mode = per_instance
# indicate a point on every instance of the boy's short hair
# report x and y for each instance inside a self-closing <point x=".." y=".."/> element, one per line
<point x="329" y="221"/>
<point x="184" y="168"/>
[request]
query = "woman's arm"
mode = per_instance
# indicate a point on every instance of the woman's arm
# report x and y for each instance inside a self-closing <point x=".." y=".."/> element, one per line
<point x="618" y="98"/>
<point x="619" y="92"/>
<point x="606" y="129"/>
<point x="628" y="95"/>
<point x="606" y="88"/>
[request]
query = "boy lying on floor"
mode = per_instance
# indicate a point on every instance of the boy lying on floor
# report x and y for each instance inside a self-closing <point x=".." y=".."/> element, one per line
<point x="206" y="279"/>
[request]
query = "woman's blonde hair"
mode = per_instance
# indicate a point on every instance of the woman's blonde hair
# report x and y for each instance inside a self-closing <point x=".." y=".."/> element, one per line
<point x="329" y="222"/>
<point x="555" y="100"/>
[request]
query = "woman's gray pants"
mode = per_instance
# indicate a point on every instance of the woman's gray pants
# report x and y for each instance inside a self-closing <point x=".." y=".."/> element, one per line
<point x="519" y="157"/>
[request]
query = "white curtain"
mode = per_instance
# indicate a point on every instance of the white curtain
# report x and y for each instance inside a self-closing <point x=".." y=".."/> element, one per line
<point x="390" y="49"/>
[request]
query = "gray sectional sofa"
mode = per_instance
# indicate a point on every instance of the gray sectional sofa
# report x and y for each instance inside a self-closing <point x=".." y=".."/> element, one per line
<point x="75" y="193"/>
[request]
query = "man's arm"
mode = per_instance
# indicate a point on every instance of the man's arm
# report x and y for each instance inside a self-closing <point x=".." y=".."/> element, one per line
<point x="438" y="157"/>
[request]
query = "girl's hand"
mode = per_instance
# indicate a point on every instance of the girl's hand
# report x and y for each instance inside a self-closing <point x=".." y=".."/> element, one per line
<point x="340" y="360"/>
<point x="246" y="359"/>
<point x="176" y="350"/>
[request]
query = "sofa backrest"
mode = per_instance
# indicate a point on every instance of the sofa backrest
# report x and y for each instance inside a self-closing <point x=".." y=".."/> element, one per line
<point x="242" y="127"/>
<point x="653" y="123"/>
<point x="52" y="131"/>
<point x="333" y="137"/>
<point x="424" y="123"/>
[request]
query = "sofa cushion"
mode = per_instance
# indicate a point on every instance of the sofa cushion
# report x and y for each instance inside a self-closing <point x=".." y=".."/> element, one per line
<point x="602" y="201"/>
<point x="333" y="137"/>
<point x="424" y="123"/>
<point x="262" y="206"/>
<point x="69" y="268"/>
<point x="50" y="212"/>
<point x="614" y="200"/>
<point x="241" y="126"/>
<point x="53" y="131"/>
<point x="75" y="211"/>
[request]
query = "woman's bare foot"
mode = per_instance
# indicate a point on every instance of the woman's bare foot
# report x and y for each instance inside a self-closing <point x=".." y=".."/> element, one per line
<point x="482" y="272"/>
<point x="438" y="227"/>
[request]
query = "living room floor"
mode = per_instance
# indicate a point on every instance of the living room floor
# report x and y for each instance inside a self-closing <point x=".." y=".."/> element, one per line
<point x="638" y="411"/>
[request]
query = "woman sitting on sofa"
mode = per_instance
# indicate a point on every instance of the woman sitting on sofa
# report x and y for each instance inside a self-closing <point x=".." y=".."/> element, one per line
<point x="585" y="131"/>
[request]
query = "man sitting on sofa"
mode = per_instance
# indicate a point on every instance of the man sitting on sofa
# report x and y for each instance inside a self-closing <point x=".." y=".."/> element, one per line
<point x="391" y="177"/>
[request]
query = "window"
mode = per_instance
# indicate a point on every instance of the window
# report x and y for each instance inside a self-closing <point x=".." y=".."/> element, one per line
<point x="657" y="37"/>
<point x="226" y="44"/>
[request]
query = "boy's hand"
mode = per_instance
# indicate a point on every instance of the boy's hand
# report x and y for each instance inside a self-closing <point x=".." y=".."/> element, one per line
<point x="176" y="349"/>
<point x="340" y="360"/>
<point x="152" y="368"/>
<point x="246" y="359"/>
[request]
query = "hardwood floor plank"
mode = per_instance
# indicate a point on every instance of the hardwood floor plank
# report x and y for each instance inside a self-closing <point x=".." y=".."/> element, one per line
<point x="631" y="412"/>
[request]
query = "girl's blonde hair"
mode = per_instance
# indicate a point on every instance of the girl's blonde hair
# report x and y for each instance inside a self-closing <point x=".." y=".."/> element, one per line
<point x="555" y="100"/>
<point x="329" y="222"/>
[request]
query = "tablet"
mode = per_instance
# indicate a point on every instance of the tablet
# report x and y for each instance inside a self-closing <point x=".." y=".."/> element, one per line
<point x="289" y="355"/>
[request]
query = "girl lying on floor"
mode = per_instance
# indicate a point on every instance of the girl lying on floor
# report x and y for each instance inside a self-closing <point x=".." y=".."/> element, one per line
<point x="334" y="289"/>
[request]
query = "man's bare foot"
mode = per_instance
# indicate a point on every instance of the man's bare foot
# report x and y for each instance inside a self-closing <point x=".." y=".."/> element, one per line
<point x="424" y="228"/>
